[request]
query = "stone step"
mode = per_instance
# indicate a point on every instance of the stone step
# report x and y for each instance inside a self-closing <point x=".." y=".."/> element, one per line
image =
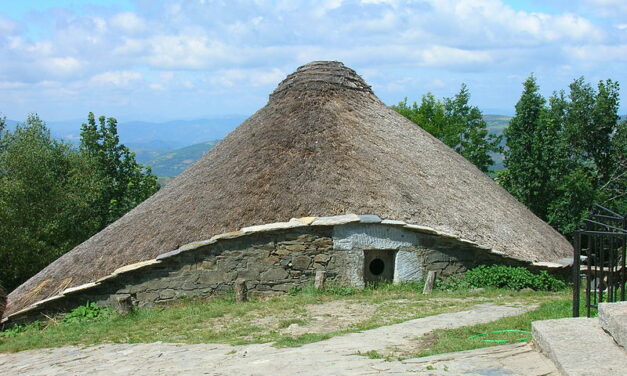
<point x="613" y="318"/>
<point x="579" y="347"/>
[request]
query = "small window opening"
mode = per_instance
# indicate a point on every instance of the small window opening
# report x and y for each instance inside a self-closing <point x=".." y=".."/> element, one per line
<point x="377" y="266"/>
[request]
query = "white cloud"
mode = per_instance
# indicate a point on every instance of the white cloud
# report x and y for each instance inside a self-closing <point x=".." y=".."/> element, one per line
<point x="128" y="22"/>
<point x="187" y="52"/>
<point x="442" y="56"/>
<point x="62" y="66"/>
<point x="119" y="79"/>
<point x="608" y="8"/>
<point x="238" y="45"/>
<point x="598" y="53"/>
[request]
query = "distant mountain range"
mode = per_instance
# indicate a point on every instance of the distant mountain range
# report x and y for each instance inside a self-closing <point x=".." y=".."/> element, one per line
<point x="149" y="137"/>
<point x="173" y="162"/>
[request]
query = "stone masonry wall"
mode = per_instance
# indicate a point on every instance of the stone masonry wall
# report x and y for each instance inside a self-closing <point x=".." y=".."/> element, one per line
<point x="271" y="263"/>
<point x="274" y="261"/>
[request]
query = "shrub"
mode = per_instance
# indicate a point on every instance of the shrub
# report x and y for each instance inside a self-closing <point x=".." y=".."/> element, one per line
<point x="502" y="276"/>
<point x="88" y="312"/>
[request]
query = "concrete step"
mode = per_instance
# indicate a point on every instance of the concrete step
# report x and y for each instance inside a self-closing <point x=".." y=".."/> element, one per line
<point x="613" y="318"/>
<point x="579" y="347"/>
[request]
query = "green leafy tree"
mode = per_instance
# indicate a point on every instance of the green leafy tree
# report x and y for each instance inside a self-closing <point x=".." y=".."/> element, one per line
<point x="53" y="196"/>
<point x="36" y="195"/>
<point x="122" y="183"/>
<point x="525" y="176"/>
<point x="457" y="124"/>
<point x="564" y="156"/>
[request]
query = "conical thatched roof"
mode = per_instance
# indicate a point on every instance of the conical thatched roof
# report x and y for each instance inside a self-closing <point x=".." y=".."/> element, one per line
<point x="323" y="145"/>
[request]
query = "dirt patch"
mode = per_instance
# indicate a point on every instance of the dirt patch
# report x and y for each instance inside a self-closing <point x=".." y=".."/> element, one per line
<point x="331" y="317"/>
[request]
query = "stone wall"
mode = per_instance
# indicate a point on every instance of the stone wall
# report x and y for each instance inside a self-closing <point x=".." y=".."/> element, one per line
<point x="275" y="258"/>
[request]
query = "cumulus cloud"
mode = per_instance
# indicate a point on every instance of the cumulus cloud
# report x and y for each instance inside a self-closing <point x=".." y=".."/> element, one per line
<point x="190" y="45"/>
<point x="119" y="78"/>
<point x="128" y="22"/>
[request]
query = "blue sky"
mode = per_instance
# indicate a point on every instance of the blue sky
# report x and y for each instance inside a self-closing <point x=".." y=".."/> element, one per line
<point x="183" y="59"/>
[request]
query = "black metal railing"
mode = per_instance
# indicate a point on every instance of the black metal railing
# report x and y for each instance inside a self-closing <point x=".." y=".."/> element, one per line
<point x="599" y="259"/>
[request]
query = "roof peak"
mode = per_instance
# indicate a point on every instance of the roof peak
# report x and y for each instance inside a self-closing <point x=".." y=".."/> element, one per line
<point x="323" y="75"/>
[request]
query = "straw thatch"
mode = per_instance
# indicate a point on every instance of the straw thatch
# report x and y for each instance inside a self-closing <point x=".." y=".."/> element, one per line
<point x="323" y="145"/>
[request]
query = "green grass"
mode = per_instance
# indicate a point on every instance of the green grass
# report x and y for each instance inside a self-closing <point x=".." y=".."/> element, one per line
<point x="259" y="321"/>
<point x="513" y="329"/>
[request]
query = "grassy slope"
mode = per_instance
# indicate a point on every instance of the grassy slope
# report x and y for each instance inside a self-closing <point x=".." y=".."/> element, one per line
<point x="223" y="321"/>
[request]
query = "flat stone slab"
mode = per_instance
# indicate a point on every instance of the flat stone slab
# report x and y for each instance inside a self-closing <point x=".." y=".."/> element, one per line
<point x="369" y="218"/>
<point x="579" y="347"/>
<point x="335" y="220"/>
<point x="613" y="318"/>
<point x="131" y="267"/>
<point x="274" y="226"/>
<point x="336" y="356"/>
<point x="85" y="286"/>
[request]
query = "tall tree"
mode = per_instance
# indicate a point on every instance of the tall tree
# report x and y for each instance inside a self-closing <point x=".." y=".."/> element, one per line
<point x="456" y="123"/>
<point x="53" y="197"/>
<point x="122" y="182"/>
<point x="525" y="176"/>
<point x="563" y="157"/>
<point x="35" y="195"/>
<point x="473" y="139"/>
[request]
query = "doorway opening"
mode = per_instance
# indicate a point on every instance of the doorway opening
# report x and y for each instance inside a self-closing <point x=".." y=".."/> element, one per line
<point x="379" y="265"/>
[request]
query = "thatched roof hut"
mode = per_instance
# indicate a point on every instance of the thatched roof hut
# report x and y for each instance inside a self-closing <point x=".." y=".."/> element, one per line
<point x="323" y="145"/>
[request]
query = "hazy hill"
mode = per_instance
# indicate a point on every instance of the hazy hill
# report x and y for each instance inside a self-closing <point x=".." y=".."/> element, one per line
<point x="150" y="137"/>
<point x="173" y="162"/>
<point x="496" y="125"/>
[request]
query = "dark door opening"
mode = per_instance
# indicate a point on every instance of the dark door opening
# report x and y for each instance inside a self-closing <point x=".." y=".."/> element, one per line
<point x="379" y="265"/>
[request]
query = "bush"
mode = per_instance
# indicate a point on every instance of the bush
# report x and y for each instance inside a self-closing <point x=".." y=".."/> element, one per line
<point x="502" y="276"/>
<point x="87" y="312"/>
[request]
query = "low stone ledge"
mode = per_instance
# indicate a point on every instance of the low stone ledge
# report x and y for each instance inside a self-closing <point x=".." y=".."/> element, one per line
<point x="227" y="235"/>
<point x="106" y="278"/>
<point x="335" y="220"/>
<point x="273" y="226"/>
<point x="81" y="287"/>
<point x="422" y="229"/>
<point x="393" y="222"/>
<point x="185" y="248"/>
<point x="447" y="235"/>
<point x="305" y="220"/>
<point x="370" y="218"/>
<point x="132" y="267"/>
<point x="50" y="299"/>
<point x="469" y="242"/>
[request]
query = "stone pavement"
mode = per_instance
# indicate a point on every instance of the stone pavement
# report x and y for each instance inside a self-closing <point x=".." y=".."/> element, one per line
<point x="336" y="356"/>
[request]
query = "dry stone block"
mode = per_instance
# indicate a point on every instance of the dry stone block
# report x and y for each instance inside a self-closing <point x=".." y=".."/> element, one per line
<point x="274" y="274"/>
<point x="322" y="258"/>
<point x="301" y="262"/>
<point x="211" y="277"/>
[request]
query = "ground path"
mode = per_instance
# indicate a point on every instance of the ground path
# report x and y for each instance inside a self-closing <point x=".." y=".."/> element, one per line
<point x="335" y="356"/>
